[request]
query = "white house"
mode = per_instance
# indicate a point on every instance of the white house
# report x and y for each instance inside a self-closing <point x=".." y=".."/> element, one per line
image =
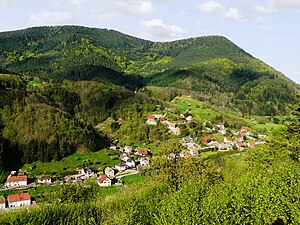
<point x="144" y="161"/>
<point x="224" y="147"/>
<point x="45" y="180"/>
<point x="109" y="172"/>
<point x="121" y="167"/>
<point x="2" y="202"/>
<point x="15" y="181"/>
<point x="17" y="200"/>
<point x="130" y="163"/>
<point x="127" y="149"/>
<point x="87" y="173"/>
<point x="104" y="181"/>
<point x="151" y="120"/>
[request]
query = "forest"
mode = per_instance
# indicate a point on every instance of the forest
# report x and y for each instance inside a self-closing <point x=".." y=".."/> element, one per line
<point x="212" y="66"/>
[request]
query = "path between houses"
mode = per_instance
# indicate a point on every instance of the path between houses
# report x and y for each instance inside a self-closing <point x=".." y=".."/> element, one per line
<point x="131" y="172"/>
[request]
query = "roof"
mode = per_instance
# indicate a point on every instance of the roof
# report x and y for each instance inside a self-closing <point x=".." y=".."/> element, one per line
<point x="18" y="197"/>
<point x="44" y="178"/>
<point x="2" y="200"/>
<point x="205" y="139"/>
<point x="102" y="179"/>
<point x="142" y="151"/>
<point x="162" y="118"/>
<point x="151" y="117"/>
<point x="16" y="179"/>
<point x="240" y="144"/>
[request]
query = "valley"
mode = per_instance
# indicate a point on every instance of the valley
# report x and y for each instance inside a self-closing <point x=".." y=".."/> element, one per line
<point x="99" y="127"/>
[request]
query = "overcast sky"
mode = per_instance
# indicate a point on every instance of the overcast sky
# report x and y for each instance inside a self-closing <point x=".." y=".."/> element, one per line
<point x="267" y="29"/>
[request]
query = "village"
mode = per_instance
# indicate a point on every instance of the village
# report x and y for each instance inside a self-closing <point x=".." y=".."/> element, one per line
<point x="131" y="161"/>
<point x="215" y="137"/>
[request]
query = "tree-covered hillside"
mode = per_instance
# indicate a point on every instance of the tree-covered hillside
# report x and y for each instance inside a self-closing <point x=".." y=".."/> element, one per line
<point x="42" y="120"/>
<point x="213" y="66"/>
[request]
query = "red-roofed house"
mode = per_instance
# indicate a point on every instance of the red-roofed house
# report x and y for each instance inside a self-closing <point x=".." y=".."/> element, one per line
<point x="240" y="145"/>
<point x="104" y="181"/>
<point x="228" y="139"/>
<point x="181" y="117"/>
<point x="142" y="152"/>
<point x="244" y="129"/>
<point x="205" y="140"/>
<point x="151" y="120"/>
<point x="2" y="202"/>
<point x="15" y="181"/>
<point x="17" y="200"/>
<point x="251" y="144"/>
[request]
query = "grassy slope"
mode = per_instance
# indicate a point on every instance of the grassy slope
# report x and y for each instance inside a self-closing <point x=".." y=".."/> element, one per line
<point x="95" y="160"/>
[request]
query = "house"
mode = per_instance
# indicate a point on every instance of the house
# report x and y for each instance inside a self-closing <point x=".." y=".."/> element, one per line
<point x="251" y="144"/>
<point x="205" y="140"/>
<point x="162" y="119"/>
<point x="121" y="167"/>
<point x="151" y="120"/>
<point x="113" y="147"/>
<point x="224" y="147"/>
<point x="144" y="161"/>
<point x="174" y="129"/>
<point x="16" y="180"/>
<point x="222" y="132"/>
<point x="184" y="154"/>
<point x="228" y="139"/>
<point x="45" y="180"/>
<point x="142" y="152"/>
<point x="181" y="117"/>
<point x="127" y="149"/>
<point x="2" y="202"/>
<point x="262" y="136"/>
<point x="194" y="151"/>
<point x="17" y="200"/>
<point x="221" y="126"/>
<point x="87" y="173"/>
<point x="240" y="145"/>
<point x="109" y="172"/>
<point x="104" y="181"/>
<point x="189" y="119"/>
<point x="125" y="157"/>
<point x="130" y="163"/>
<point x="244" y="129"/>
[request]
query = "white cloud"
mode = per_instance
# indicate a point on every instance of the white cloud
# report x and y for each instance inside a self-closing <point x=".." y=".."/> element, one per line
<point x="157" y="29"/>
<point x="293" y="5"/>
<point x="264" y="10"/>
<point x="234" y="14"/>
<point x="210" y="6"/>
<point x="134" y="7"/>
<point x="51" y="18"/>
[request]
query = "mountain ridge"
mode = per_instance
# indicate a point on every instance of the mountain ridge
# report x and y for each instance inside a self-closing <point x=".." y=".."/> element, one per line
<point x="210" y="65"/>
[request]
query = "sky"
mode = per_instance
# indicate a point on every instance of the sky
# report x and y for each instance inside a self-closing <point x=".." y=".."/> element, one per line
<point x="267" y="29"/>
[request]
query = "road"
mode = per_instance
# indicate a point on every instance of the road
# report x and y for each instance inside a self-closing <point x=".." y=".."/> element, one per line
<point x="131" y="172"/>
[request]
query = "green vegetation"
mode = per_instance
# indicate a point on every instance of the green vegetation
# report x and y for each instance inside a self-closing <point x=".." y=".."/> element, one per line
<point x="216" y="69"/>
<point x="133" y="179"/>
<point x="96" y="160"/>
<point x="78" y="88"/>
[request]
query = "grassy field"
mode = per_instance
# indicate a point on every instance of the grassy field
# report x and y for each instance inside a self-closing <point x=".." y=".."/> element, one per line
<point x="95" y="160"/>
<point x="195" y="107"/>
<point x="133" y="179"/>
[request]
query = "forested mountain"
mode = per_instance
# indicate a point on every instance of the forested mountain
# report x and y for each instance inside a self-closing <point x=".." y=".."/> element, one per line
<point x="214" y="67"/>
